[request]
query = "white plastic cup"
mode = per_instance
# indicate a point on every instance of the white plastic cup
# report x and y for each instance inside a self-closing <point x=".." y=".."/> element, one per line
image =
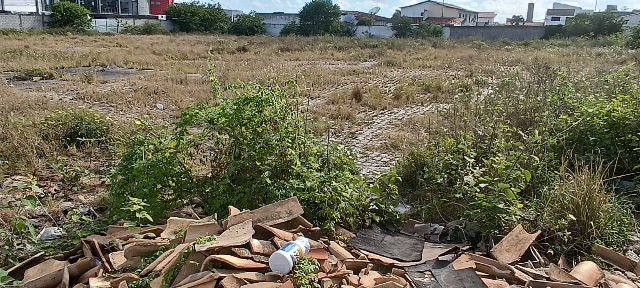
<point x="282" y="261"/>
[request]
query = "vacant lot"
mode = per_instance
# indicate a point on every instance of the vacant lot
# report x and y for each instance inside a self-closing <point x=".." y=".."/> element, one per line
<point x="379" y="96"/>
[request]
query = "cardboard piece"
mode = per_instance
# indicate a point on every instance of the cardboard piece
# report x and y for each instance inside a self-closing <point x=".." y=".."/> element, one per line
<point x="614" y="258"/>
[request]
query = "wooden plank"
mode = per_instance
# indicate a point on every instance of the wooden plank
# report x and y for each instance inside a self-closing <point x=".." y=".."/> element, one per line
<point x="548" y="284"/>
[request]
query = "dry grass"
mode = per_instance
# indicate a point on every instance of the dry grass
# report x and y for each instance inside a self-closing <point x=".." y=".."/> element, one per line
<point x="345" y="80"/>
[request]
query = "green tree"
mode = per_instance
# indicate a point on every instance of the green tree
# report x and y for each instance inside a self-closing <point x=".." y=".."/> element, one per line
<point x="290" y="29"/>
<point x="401" y="25"/>
<point x="319" y="17"/>
<point x="593" y="25"/>
<point x="198" y="17"/>
<point x="517" y="20"/>
<point x="247" y="25"/>
<point x="70" y="15"/>
<point x="427" y="30"/>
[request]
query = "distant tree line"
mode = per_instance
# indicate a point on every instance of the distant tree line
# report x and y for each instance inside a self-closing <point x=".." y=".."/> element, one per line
<point x="587" y="26"/>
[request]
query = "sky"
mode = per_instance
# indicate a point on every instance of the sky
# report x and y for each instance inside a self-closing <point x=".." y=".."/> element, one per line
<point x="504" y="8"/>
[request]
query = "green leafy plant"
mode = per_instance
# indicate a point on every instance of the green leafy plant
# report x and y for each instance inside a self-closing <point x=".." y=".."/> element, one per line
<point x="8" y="281"/>
<point x="137" y="210"/>
<point x="247" y="25"/>
<point x="199" y="17"/>
<point x="148" y="28"/>
<point x="70" y="15"/>
<point x="319" y="17"/>
<point x="76" y="127"/>
<point x="303" y="273"/>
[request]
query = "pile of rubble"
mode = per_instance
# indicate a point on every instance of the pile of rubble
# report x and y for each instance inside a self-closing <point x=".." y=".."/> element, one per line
<point x="189" y="253"/>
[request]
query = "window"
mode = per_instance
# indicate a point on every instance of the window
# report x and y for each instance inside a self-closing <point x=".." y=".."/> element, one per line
<point x="555" y="19"/>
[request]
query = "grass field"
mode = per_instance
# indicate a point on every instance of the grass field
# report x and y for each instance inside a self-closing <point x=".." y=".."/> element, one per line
<point x="380" y="96"/>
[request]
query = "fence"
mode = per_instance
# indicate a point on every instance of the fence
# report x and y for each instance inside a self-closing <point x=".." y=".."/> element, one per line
<point x="23" y="21"/>
<point x="516" y="33"/>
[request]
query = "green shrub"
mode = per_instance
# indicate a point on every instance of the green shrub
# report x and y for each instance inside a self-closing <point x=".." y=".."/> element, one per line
<point x="468" y="177"/>
<point x="69" y="15"/>
<point x="75" y="127"/>
<point x="289" y="30"/>
<point x="580" y="211"/>
<point x="604" y="127"/>
<point x="198" y="17"/>
<point x="148" y="28"/>
<point x="253" y="149"/>
<point x="247" y="25"/>
<point x="427" y="30"/>
<point x="154" y="168"/>
<point x="633" y="40"/>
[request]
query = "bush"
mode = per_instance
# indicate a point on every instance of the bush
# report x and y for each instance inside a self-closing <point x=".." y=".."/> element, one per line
<point x="633" y="40"/>
<point x="467" y="177"/>
<point x="75" y="127"/>
<point x="154" y="168"/>
<point x="319" y="17"/>
<point x="427" y="30"/>
<point x="197" y="17"/>
<point x="593" y="25"/>
<point x="148" y="28"/>
<point x="289" y="30"/>
<point x="69" y="15"/>
<point x="253" y="150"/>
<point x="580" y="211"/>
<point x="604" y="127"/>
<point x="247" y="25"/>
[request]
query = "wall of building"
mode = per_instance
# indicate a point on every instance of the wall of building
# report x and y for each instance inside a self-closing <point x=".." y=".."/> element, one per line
<point x="274" y="22"/>
<point x="548" y="20"/>
<point x="495" y="32"/>
<point x="632" y="20"/>
<point x="374" y="31"/>
<point x="23" y="22"/>
<point x="116" y="25"/>
<point x="485" y="21"/>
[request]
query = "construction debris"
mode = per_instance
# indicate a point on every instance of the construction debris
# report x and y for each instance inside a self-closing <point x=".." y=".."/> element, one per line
<point x="190" y="253"/>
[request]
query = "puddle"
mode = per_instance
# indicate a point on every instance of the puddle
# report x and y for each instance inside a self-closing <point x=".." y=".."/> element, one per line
<point x="18" y="81"/>
<point x="104" y="73"/>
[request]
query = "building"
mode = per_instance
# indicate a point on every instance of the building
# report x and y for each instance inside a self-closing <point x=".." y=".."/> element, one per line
<point x="559" y="14"/>
<point x="157" y="7"/>
<point x="378" y="20"/>
<point x="233" y="14"/>
<point x="26" y="6"/>
<point x="274" y="22"/>
<point x="632" y="20"/>
<point x="440" y="13"/>
<point x="486" y="18"/>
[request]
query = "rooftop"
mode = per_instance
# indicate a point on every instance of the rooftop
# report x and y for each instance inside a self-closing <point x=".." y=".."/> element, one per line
<point x="359" y="14"/>
<point x="444" y="20"/>
<point x="439" y="3"/>
<point x="487" y="15"/>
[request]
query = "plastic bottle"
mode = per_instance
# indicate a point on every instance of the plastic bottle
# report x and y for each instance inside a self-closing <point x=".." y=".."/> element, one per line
<point x="282" y="261"/>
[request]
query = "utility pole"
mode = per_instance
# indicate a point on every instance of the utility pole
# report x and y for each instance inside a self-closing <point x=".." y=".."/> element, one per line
<point x="1" y="5"/>
<point x="37" y="6"/>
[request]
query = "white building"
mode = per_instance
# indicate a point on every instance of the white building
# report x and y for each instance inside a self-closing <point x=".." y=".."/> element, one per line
<point x="559" y="14"/>
<point x="274" y="22"/>
<point x="440" y="13"/>
<point x="486" y="18"/>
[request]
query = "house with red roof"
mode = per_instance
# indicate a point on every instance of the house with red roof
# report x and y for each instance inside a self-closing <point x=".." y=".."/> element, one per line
<point x="440" y="13"/>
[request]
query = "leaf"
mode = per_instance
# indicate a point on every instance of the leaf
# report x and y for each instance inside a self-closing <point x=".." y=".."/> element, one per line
<point x="527" y="175"/>
<point x="510" y="195"/>
<point x="29" y="201"/>
<point x="503" y="185"/>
